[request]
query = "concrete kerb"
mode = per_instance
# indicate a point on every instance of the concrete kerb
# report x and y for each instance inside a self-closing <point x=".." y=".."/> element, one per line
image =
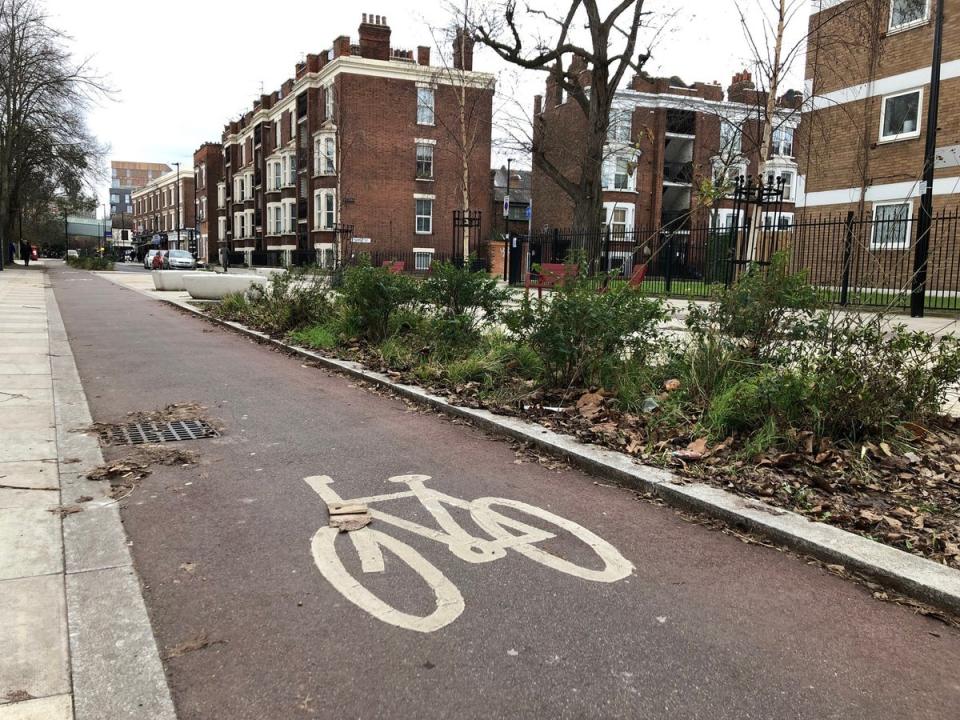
<point x="116" y="670"/>
<point x="911" y="575"/>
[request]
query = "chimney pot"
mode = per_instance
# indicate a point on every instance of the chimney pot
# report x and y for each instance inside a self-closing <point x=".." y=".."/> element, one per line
<point x="364" y="17"/>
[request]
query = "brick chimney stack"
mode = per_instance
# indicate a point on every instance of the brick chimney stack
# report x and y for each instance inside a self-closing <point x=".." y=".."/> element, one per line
<point x="423" y="55"/>
<point x="463" y="50"/>
<point x="741" y="88"/>
<point x="374" y="37"/>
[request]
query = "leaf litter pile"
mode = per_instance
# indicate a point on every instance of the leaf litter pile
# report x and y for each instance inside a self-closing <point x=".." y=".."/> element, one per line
<point x="904" y="493"/>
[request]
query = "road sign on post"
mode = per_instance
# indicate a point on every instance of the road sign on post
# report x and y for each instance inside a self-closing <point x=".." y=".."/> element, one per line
<point x="506" y="205"/>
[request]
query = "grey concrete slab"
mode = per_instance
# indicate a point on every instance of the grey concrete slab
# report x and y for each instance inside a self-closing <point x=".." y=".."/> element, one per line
<point x="38" y="417"/>
<point x="38" y="444"/>
<point x="34" y="499"/>
<point x="33" y="636"/>
<point x="30" y="474"/>
<point x="56" y="707"/>
<point x="25" y="364"/>
<point x="94" y="538"/>
<point x="20" y="393"/>
<point x="31" y="542"/>
<point x="116" y="667"/>
<point x="23" y="343"/>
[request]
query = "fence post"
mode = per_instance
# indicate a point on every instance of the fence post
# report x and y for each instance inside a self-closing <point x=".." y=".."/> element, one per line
<point x="847" y="257"/>
<point x="668" y="275"/>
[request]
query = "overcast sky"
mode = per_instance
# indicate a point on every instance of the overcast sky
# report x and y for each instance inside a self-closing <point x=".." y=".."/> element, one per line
<point x="180" y="69"/>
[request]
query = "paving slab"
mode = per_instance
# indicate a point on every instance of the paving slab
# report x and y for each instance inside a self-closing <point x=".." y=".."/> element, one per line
<point x="31" y="542"/>
<point x="40" y="444"/>
<point x="37" y="418"/>
<point x="21" y="394"/>
<point x="56" y="707"/>
<point x="33" y="636"/>
<point x="34" y="474"/>
<point x="25" y="364"/>
<point x="94" y="538"/>
<point x="33" y="499"/>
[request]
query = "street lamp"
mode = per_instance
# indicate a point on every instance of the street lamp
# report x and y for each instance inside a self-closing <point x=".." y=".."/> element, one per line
<point x="178" y="202"/>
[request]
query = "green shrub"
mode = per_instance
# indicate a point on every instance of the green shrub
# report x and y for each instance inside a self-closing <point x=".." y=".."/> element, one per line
<point x="463" y="298"/>
<point x="869" y="378"/>
<point x="769" y="312"/>
<point x="371" y="295"/>
<point x="780" y="397"/>
<point x="291" y="301"/>
<point x="88" y="262"/>
<point x="318" y="337"/>
<point x="232" y="307"/>
<point x="582" y="336"/>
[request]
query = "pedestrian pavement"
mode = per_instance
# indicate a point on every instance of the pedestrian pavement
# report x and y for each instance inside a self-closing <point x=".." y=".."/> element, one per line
<point x="75" y="638"/>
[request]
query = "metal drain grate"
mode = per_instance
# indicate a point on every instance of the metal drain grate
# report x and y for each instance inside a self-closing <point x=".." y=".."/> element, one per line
<point x="157" y="432"/>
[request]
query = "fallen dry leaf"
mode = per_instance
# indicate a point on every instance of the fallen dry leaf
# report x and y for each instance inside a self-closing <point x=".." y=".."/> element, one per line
<point x="199" y="642"/>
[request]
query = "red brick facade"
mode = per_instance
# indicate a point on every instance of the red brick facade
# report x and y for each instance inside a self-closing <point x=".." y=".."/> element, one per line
<point x="670" y="137"/>
<point x="346" y="145"/>
<point x="207" y="170"/>
<point x="155" y="210"/>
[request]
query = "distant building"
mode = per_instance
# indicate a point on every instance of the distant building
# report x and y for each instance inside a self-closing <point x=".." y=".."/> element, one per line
<point x="664" y="137"/>
<point x="207" y="171"/>
<point x="357" y="153"/>
<point x="125" y="177"/>
<point x="156" y="219"/>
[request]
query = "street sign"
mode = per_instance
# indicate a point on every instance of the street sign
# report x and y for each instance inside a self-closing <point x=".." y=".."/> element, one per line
<point x="361" y="241"/>
<point x="506" y="205"/>
<point x="948" y="156"/>
<point x="156" y="239"/>
<point x="108" y="233"/>
<point x="528" y="213"/>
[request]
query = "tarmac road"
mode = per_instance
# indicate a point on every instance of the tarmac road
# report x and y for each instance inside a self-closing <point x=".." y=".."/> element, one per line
<point x="704" y="626"/>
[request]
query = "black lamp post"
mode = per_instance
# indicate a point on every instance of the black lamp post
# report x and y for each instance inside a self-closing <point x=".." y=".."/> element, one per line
<point x="177" y="190"/>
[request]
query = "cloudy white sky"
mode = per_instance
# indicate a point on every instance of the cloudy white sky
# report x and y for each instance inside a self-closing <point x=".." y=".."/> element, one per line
<point x="179" y="69"/>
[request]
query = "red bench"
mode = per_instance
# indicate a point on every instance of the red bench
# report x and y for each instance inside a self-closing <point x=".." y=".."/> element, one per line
<point x="550" y="275"/>
<point x="394" y="266"/>
<point x="636" y="279"/>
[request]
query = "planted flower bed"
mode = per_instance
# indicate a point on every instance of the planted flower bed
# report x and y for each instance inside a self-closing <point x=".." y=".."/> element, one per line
<point x="767" y="394"/>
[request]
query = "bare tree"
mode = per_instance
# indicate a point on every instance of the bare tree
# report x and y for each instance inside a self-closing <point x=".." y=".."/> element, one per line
<point x="44" y="95"/>
<point x="470" y="127"/>
<point x="605" y="59"/>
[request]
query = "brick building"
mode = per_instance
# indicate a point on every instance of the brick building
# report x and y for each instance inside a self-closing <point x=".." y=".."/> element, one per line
<point x="868" y="78"/>
<point x="125" y="177"/>
<point x="866" y="123"/>
<point x="664" y="137"/>
<point x="358" y="152"/>
<point x="207" y="171"/>
<point x="155" y="212"/>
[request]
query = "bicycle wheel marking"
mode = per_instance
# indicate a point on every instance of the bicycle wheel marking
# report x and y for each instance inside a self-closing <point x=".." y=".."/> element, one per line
<point x="449" y="604"/>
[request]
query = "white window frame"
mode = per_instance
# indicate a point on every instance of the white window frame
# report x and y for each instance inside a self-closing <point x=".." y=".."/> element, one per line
<point x="883" y="116"/>
<point x="891" y="28"/>
<point x="289" y="215"/>
<point x="323" y="218"/>
<point x="277" y="133"/>
<point x="322" y="256"/>
<point x="248" y="220"/>
<point x="431" y="108"/>
<point x="777" y="170"/>
<point x="416" y="225"/>
<point x="221" y="194"/>
<point x="725" y="219"/>
<point x="778" y="146"/>
<point x="739" y="167"/>
<point x="324" y="163"/>
<point x="425" y="146"/>
<point x="222" y="227"/>
<point x="736" y="145"/>
<point x="876" y="244"/>
<point x="419" y="253"/>
<point x="608" y="175"/>
<point x="620" y="127"/>
<point x="274" y="214"/>
<point x="328" y="93"/>
<point x="629" y="216"/>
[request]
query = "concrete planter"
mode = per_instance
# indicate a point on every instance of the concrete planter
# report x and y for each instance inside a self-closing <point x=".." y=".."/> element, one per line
<point x="268" y="271"/>
<point x="207" y="286"/>
<point x="169" y="279"/>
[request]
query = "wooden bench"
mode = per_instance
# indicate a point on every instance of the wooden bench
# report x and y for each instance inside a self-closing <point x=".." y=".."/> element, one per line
<point x="550" y="275"/>
<point x="394" y="266"/>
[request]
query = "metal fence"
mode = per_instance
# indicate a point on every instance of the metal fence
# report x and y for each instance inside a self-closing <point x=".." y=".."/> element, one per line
<point x="852" y="261"/>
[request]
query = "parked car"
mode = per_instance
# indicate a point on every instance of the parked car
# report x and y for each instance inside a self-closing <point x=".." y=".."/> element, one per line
<point x="73" y="253"/>
<point x="148" y="258"/>
<point x="179" y="260"/>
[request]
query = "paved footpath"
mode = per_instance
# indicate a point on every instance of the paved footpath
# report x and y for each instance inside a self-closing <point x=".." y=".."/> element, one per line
<point x="75" y="640"/>
<point x="563" y="598"/>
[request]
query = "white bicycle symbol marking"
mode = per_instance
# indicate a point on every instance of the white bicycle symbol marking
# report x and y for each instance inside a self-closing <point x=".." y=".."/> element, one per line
<point x="369" y="543"/>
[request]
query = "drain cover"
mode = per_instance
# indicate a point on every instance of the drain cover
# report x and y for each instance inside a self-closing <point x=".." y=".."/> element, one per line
<point x="157" y="432"/>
